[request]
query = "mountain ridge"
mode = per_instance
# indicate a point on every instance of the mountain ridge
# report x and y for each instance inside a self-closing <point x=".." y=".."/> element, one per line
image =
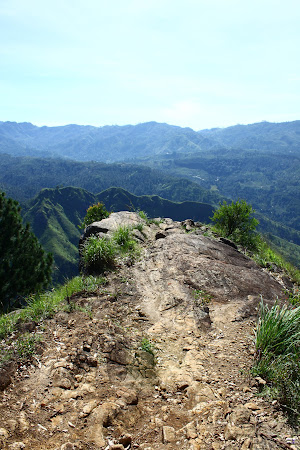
<point x="112" y="143"/>
<point x="157" y="355"/>
<point x="55" y="215"/>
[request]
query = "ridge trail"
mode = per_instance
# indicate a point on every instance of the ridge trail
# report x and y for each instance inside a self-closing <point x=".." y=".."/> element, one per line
<point x="160" y="361"/>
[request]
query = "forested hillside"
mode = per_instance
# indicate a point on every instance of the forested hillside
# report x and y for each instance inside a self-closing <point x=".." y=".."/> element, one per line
<point x="270" y="182"/>
<point x="261" y="136"/>
<point x="119" y="143"/>
<point x="259" y="163"/>
<point x="108" y="143"/>
<point x="23" y="177"/>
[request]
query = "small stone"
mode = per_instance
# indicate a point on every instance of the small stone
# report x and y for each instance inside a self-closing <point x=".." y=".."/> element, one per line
<point x="12" y="424"/>
<point x="231" y="432"/>
<point x="63" y="383"/>
<point x="158" y="422"/>
<point x="125" y="440"/>
<point x="251" y="405"/>
<point x="246" y="444"/>
<point x="3" y="433"/>
<point x="191" y="432"/>
<point x="17" y="446"/>
<point x="86" y="348"/>
<point x="23" y="422"/>
<point x="88" y="408"/>
<point x="246" y="389"/>
<point x="168" y="435"/>
<point x="240" y="415"/>
<point x="260" y="381"/>
<point x="68" y="446"/>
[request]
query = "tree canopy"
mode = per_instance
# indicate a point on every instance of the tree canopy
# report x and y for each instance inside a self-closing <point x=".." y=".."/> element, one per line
<point x="94" y="213"/>
<point x="235" y="221"/>
<point x="25" y="268"/>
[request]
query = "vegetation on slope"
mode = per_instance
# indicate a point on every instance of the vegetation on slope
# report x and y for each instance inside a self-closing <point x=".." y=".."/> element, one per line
<point x="277" y="342"/>
<point x="24" y="266"/>
<point x="23" y="178"/>
<point x="267" y="180"/>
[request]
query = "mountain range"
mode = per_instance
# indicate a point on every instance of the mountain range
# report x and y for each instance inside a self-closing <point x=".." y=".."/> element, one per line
<point x="119" y="143"/>
<point x="258" y="162"/>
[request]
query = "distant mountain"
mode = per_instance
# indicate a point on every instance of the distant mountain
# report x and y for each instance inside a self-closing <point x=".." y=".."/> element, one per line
<point x="107" y="144"/>
<point x="56" y="213"/>
<point x="269" y="181"/>
<point x="120" y="143"/>
<point x="261" y="136"/>
<point x="23" y="177"/>
<point x="258" y="162"/>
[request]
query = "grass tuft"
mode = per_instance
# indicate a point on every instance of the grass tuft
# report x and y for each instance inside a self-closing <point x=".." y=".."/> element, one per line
<point x="277" y="343"/>
<point x="98" y="254"/>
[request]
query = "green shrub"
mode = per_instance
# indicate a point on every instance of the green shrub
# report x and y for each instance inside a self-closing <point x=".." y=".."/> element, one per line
<point x="147" y="346"/>
<point x="234" y="221"/>
<point x="143" y="215"/>
<point x="98" y="254"/>
<point x="277" y="343"/>
<point x="202" y="297"/>
<point x="123" y="239"/>
<point x="139" y="227"/>
<point x="94" y="213"/>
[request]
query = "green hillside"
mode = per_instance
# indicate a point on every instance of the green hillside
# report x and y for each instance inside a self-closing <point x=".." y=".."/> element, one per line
<point x="261" y="136"/>
<point x="54" y="216"/>
<point x="269" y="181"/>
<point x="22" y="178"/>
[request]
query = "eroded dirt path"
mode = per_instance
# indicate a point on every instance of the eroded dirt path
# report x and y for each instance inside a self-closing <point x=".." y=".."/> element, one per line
<point x="161" y="360"/>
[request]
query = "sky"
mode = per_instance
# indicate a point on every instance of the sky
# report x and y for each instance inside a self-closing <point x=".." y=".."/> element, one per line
<point x="192" y="63"/>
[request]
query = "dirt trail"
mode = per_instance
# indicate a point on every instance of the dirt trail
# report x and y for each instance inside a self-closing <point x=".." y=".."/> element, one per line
<point x="161" y="361"/>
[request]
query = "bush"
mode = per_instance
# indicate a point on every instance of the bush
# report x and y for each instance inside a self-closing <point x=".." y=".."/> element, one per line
<point x="123" y="239"/>
<point x="98" y="254"/>
<point x="277" y="344"/>
<point x="24" y="266"/>
<point x="94" y="213"/>
<point x="234" y="221"/>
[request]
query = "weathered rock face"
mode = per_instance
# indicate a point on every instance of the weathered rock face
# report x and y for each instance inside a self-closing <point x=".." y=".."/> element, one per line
<point x="158" y="362"/>
<point x="111" y="223"/>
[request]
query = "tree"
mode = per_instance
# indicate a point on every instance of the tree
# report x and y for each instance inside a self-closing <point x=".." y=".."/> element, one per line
<point x="94" y="213"/>
<point x="235" y="221"/>
<point x="24" y="266"/>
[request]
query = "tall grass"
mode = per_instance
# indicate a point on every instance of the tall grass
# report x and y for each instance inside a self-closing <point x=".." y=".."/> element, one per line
<point x="45" y="305"/>
<point x="277" y="358"/>
<point x="123" y="239"/>
<point x="98" y="254"/>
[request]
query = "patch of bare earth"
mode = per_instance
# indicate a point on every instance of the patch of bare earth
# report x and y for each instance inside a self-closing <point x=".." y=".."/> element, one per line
<point x="161" y="361"/>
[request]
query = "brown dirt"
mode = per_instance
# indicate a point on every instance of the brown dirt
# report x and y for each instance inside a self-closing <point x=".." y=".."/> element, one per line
<point x="96" y="385"/>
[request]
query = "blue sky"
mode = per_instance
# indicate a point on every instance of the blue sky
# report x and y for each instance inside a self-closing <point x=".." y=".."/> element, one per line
<point x="196" y="63"/>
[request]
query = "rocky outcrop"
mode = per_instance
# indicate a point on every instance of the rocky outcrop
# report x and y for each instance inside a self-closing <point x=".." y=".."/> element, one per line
<point x="161" y="360"/>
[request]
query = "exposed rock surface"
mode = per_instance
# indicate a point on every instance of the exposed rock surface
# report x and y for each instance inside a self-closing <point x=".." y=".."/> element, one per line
<point x="161" y="364"/>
